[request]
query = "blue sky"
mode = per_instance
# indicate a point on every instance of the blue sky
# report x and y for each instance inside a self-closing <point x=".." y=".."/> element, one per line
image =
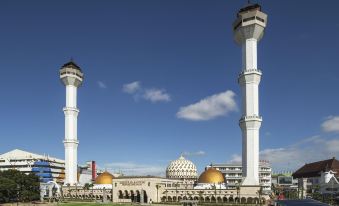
<point x="176" y="53"/>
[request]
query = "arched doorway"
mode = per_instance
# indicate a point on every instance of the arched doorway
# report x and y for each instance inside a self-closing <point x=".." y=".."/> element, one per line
<point x="132" y="196"/>
<point x="231" y="199"/>
<point x="126" y="195"/>
<point x="243" y="200"/>
<point x="145" y="197"/>
<point x="213" y="199"/>
<point x="120" y="195"/>
<point x="250" y="200"/>
<point x="224" y="199"/>
<point x="219" y="199"/>
<point x="138" y="196"/>
<point x="202" y="199"/>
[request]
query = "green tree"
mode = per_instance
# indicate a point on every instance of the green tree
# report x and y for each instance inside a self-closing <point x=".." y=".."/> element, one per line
<point x="7" y="189"/>
<point x="17" y="186"/>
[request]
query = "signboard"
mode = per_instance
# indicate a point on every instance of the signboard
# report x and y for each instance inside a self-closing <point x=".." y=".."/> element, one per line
<point x="282" y="180"/>
<point x="132" y="183"/>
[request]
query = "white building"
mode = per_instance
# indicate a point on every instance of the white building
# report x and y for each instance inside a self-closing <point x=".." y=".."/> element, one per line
<point x="46" y="167"/>
<point x="233" y="174"/>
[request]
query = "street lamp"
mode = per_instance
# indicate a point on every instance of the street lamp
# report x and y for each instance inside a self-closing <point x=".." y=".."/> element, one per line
<point x="157" y="186"/>
<point x="238" y="191"/>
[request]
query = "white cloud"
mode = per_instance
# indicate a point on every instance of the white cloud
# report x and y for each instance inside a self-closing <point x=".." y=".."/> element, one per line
<point x="210" y="107"/>
<point x="132" y="87"/>
<point x="101" y="85"/>
<point x="235" y="159"/>
<point x="153" y="95"/>
<point x="198" y="153"/>
<point x="156" y="95"/>
<point x="305" y="151"/>
<point x="130" y="168"/>
<point x="331" y="124"/>
<point x="293" y="156"/>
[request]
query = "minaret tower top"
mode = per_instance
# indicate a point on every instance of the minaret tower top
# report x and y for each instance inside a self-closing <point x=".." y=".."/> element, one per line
<point x="250" y="23"/>
<point x="71" y="74"/>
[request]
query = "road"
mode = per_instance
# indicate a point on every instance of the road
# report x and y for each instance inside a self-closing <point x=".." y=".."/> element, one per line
<point x="300" y="202"/>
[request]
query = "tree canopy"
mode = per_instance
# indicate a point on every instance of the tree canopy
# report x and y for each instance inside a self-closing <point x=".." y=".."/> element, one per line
<point x="17" y="186"/>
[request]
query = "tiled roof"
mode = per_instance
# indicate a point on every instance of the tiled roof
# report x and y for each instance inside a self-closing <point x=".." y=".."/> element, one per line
<point x="314" y="169"/>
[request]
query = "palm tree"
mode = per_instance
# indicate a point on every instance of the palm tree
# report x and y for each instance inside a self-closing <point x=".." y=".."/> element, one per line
<point x="86" y="187"/>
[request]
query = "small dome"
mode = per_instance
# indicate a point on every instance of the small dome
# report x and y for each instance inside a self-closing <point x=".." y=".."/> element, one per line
<point x="181" y="169"/>
<point x="105" y="178"/>
<point x="211" y="176"/>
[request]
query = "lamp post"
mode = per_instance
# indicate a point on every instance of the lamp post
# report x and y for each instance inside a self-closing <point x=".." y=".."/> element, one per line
<point x="157" y="186"/>
<point x="238" y="192"/>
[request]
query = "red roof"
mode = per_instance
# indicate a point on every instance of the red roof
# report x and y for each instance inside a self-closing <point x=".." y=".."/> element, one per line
<point x="314" y="169"/>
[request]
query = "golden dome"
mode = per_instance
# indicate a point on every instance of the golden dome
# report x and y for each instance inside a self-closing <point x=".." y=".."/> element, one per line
<point x="104" y="179"/>
<point x="211" y="176"/>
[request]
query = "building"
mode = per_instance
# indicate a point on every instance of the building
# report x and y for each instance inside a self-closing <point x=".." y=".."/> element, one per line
<point x="87" y="173"/>
<point x="147" y="189"/>
<point x="284" y="180"/>
<point x="248" y="31"/>
<point x="233" y="174"/>
<point x="322" y="175"/>
<point x="72" y="77"/>
<point x="46" y="167"/>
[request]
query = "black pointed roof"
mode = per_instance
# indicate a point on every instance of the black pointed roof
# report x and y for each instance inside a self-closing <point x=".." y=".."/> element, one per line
<point x="250" y="7"/>
<point x="71" y="64"/>
<point x="315" y="168"/>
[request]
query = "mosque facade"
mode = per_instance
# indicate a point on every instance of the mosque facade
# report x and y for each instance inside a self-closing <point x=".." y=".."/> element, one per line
<point x="181" y="183"/>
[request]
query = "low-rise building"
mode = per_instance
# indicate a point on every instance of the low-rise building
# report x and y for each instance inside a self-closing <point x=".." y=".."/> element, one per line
<point x="233" y="174"/>
<point x="319" y="176"/>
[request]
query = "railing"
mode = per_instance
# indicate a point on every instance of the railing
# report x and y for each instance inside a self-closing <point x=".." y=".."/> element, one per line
<point x="250" y="71"/>
<point x="253" y="117"/>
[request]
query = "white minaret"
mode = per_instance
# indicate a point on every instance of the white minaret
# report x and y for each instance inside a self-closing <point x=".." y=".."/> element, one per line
<point x="72" y="77"/>
<point x="248" y="30"/>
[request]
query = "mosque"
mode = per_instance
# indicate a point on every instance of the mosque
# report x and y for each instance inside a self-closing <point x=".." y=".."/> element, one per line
<point x="182" y="181"/>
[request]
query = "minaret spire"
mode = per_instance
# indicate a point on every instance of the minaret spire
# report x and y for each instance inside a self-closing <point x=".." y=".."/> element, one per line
<point x="248" y="30"/>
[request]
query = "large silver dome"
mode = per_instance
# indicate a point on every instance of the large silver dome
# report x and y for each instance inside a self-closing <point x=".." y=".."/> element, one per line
<point x="181" y="169"/>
